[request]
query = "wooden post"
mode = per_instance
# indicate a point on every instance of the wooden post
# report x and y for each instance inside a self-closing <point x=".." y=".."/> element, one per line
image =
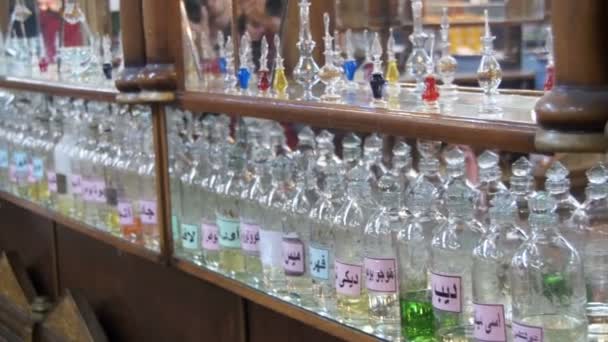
<point x="573" y="115"/>
<point x="134" y="50"/>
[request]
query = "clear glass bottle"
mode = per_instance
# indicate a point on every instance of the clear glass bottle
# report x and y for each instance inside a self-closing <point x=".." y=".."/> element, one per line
<point x="147" y="200"/>
<point x="491" y="263"/>
<point x="548" y="287"/>
<point x="351" y="151"/>
<point x="489" y="72"/>
<point x="190" y="218"/>
<point x="456" y="168"/>
<point x="56" y="130"/>
<point x="402" y="166"/>
<point x="414" y="246"/>
<point x="296" y="227"/>
<point x="452" y="259"/>
<point x="322" y="240"/>
<point x="589" y="235"/>
<point x="61" y="156"/>
<point x="373" y="157"/>
<point x="447" y="65"/>
<point x="419" y="59"/>
<point x="557" y="186"/>
<point x="329" y="74"/>
<point x="306" y="70"/>
<point x="380" y="262"/>
<point x="274" y="248"/>
<point x="349" y="226"/>
<point x="522" y="187"/>
<point x="490" y="183"/>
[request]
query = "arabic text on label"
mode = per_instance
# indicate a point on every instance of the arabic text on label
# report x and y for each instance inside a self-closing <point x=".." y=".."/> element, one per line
<point x="189" y="236"/>
<point x="125" y="213"/>
<point x="446" y="292"/>
<point x="381" y="275"/>
<point x="210" y="240"/>
<point x="489" y="323"/>
<point x="148" y="212"/>
<point x="229" y="232"/>
<point x="348" y="279"/>
<point x="250" y="237"/>
<point x="526" y="333"/>
<point x="319" y="262"/>
<point x="293" y="257"/>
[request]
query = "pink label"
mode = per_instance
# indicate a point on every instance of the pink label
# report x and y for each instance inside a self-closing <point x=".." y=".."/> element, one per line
<point x="125" y="213"/>
<point x="99" y="191"/>
<point x="489" y="323"/>
<point x="250" y="236"/>
<point x="210" y="238"/>
<point x="76" y="182"/>
<point x="11" y="173"/>
<point x="526" y="333"/>
<point x="148" y="212"/>
<point x="348" y="279"/>
<point x="446" y="292"/>
<point x="381" y="274"/>
<point x="51" y="178"/>
<point x="293" y="257"/>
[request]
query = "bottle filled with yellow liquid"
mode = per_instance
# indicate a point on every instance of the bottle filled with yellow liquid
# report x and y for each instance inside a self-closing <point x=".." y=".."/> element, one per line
<point x="279" y="81"/>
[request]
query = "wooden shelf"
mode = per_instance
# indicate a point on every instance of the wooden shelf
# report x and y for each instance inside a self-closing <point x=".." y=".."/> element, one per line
<point x="307" y="317"/>
<point x="513" y="132"/>
<point x="89" y="92"/>
<point x="118" y="243"/>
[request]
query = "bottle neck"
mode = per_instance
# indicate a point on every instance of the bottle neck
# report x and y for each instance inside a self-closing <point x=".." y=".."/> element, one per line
<point x="543" y="225"/>
<point x="522" y="185"/>
<point x="490" y="174"/>
<point x="557" y="187"/>
<point x="596" y="191"/>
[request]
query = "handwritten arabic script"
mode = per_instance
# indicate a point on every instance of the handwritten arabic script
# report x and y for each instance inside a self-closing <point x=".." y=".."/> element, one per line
<point x="348" y="279"/>
<point x="293" y="257"/>
<point x="189" y="236"/>
<point x="446" y="292"/>
<point x="229" y="232"/>
<point x="250" y="237"/>
<point x="148" y="212"/>
<point x="125" y="213"/>
<point x="381" y="274"/>
<point x="210" y="237"/>
<point x="526" y="333"/>
<point x="489" y="323"/>
<point x="319" y="262"/>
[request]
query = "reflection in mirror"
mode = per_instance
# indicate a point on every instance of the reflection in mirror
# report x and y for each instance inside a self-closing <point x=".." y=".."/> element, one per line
<point x="67" y="40"/>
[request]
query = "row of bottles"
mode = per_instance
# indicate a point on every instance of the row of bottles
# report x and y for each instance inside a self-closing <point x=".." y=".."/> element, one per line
<point x="91" y="161"/>
<point x="397" y="251"/>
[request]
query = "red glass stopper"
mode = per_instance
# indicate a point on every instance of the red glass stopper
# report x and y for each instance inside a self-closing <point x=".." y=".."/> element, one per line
<point x="550" y="80"/>
<point x="263" y="81"/>
<point x="43" y="64"/>
<point x="431" y="92"/>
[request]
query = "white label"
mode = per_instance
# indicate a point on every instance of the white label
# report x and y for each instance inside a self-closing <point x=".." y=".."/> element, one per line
<point x="271" y="250"/>
<point x="319" y="262"/>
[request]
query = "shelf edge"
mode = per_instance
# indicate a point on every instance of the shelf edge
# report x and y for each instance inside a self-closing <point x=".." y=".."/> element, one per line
<point x="58" y="88"/>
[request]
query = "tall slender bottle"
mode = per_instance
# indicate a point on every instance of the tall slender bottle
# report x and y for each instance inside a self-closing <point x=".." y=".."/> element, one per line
<point x="65" y="201"/>
<point x="522" y="187"/>
<point x="349" y="225"/>
<point x="79" y="118"/>
<point x="306" y="70"/>
<point x="380" y="262"/>
<point x="414" y="246"/>
<point x="491" y="264"/>
<point x="148" y="205"/>
<point x="589" y="235"/>
<point x="322" y="239"/>
<point x="272" y="245"/>
<point x="548" y="287"/>
<point x="229" y="192"/>
<point x="490" y="183"/>
<point x="452" y="259"/>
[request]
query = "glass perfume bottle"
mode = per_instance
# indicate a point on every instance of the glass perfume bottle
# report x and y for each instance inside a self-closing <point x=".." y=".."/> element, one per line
<point x="349" y="227"/>
<point x="275" y="251"/>
<point x="229" y="191"/>
<point x="92" y="174"/>
<point x="489" y="73"/>
<point x="350" y="63"/>
<point x="325" y="155"/>
<point x="377" y="81"/>
<point x="322" y="239"/>
<point x="590" y="238"/>
<point x="230" y="79"/>
<point x="452" y="259"/>
<point x="263" y="73"/>
<point x="380" y="262"/>
<point x="490" y="182"/>
<point x="491" y="263"/>
<point x="419" y="59"/>
<point x="373" y="157"/>
<point x="351" y="151"/>
<point x="522" y="187"/>
<point x="296" y="228"/>
<point x="221" y="54"/>
<point x="548" y="287"/>
<point x="279" y="81"/>
<point x="147" y="201"/>
<point x="414" y="247"/>
<point x="244" y="73"/>
<point x="367" y="66"/>
<point x="557" y="186"/>
<point x="550" y="68"/>
<point x="329" y="74"/>
<point x="306" y="70"/>
<point x="392" y="70"/>
<point x="252" y="213"/>
<point x="447" y="64"/>
<point x="428" y="167"/>
<point x="190" y="206"/>
<point x="107" y="57"/>
<point x="402" y="167"/>
<point x="61" y="157"/>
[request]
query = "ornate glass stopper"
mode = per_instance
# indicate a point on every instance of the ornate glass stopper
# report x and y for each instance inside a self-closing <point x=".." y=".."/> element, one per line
<point x="368" y="64"/>
<point x="392" y="70"/>
<point x="430" y="96"/>
<point x="377" y="81"/>
<point x="489" y="73"/>
<point x="306" y="71"/>
<point x="447" y="65"/>
<point x="350" y="64"/>
<point x="230" y="80"/>
<point x="221" y="52"/>
<point x="263" y="80"/>
<point x="329" y="73"/>
<point x="244" y="74"/>
<point x="280" y="83"/>
<point x="418" y="60"/>
<point x="550" y="80"/>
